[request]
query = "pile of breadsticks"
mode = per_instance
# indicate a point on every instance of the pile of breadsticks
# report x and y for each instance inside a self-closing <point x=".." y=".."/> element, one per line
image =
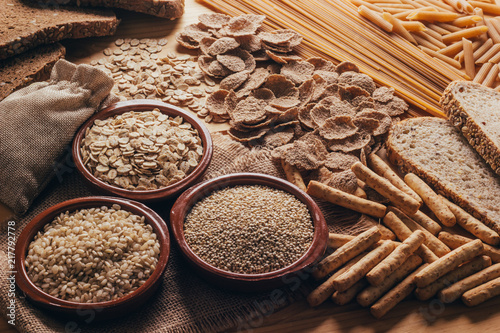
<point x="379" y="271"/>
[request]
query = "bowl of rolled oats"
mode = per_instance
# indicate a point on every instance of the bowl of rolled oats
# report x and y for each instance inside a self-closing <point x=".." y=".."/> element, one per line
<point x="98" y="256"/>
<point x="248" y="232"/>
<point x="143" y="150"/>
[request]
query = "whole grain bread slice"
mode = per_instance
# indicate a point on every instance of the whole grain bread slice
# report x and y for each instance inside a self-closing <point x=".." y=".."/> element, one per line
<point x="170" y="9"/>
<point x="25" y="25"/>
<point x="475" y="110"/>
<point x="31" y="66"/>
<point x="435" y="150"/>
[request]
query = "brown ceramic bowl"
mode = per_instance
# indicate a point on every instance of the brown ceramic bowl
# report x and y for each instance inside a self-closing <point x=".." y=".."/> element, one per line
<point x="101" y="310"/>
<point x="238" y="281"/>
<point x="144" y="195"/>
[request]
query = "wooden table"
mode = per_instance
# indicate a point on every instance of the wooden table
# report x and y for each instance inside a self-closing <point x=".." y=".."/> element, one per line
<point x="409" y="316"/>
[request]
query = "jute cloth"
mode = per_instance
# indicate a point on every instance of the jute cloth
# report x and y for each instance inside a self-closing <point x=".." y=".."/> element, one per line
<point x="37" y="124"/>
<point x="184" y="301"/>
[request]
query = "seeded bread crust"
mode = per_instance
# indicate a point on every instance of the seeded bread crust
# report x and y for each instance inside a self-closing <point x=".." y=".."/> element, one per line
<point x="479" y="135"/>
<point x="31" y="66"/>
<point x="436" y="151"/>
<point x="24" y="25"/>
<point x="169" y="9"/>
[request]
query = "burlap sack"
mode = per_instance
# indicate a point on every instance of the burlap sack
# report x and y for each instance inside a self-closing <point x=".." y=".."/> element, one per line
<point x="184" y="302"/>
<point x="38" y="122"/>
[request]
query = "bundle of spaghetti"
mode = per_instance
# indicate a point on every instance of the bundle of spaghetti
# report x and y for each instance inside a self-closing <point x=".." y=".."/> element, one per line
<point x="333" y="29"/>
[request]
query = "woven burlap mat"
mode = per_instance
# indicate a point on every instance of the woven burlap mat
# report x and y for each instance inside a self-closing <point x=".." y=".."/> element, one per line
<point x="184" y="301"/>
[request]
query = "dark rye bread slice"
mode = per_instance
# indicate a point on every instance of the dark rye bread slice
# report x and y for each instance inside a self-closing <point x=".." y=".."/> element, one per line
<point x="31" y="66"/>
<point x="24" y="25"/>
<point x="475" y="111"/>
<point x="170" y="9"/>
<point x="435" y="150"/>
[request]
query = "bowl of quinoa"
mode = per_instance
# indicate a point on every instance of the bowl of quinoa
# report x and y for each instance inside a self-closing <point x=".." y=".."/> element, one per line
<point x="102" y="254"/>
<point x="143" y="150"/>
<point x="248" y="231"/>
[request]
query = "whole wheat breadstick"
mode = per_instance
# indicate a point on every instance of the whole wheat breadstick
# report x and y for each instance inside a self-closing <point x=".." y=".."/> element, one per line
<point x="368" y="296"/>
<point x="386" y="232"/>
<point x="473" y="225"/>
<point x="431" y="199"/>
<point x="473" y="266"/>
<point x="387" y="266"/>
<point x="449" y="262"/>
<point x="453" y="292"/>
<point x="426" y="222"/>
<point x="431" y="241"/>
<point x="360" y="193"/>
<point x="346" y="296"/>
<point x="358" y="271"/>
<point x="455" y="241"/>
<point x="482" y="293"/>
<point x="346" y="252"/>
<point x="385" y="188"/>
<point x="328" y="193"/>
<point x="337" y="240"/>
<point x="293" y="175"/>
<point x="396" y="294"/>
<point x="378" y="165"/>
<point x="403" y="232"/>
<point x="326" y="289"/>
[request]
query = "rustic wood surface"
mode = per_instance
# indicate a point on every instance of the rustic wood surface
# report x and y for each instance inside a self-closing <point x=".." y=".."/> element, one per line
<point x="409" y="316"/>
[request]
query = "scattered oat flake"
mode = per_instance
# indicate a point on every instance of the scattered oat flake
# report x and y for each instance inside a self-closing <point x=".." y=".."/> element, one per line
<point x="215" y="103"/>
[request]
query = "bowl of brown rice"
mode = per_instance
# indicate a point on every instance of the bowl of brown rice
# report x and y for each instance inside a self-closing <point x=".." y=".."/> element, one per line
<point x="144" y="150"/>
<point x="102" y="256"/>
<point x="248" y="232"/>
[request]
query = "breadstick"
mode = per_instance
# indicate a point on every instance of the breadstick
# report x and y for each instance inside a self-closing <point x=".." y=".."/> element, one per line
<point x="473" y="266"/>
<point x="385" y="188"/>
<point x="465" y="33"/>
<point x="453" y="292"/>
<point x="455" y="241"/>
<point x="449" y="262"/>
<point x="357" y="271"/>
<point x="426" y="222"/>
<point x="431" y="199"/>
<point x="326" y="289"/>
<point x="387" y="266"/>
<point x="431" y="241"/>
<point x="487" y="8"/>
<point x="398" y="28"/>
<point x="346" y="252"/>
<point x="482" y="293"/>
<point x="378" y="165"/>
<point x="375" y="18"/>
<point x="360" y="193"/>
<point x="470" y="67"/>
<point x="293" y="175"/>
<point x="372" y="293"/>
<point x="337" y="240"/>
<point x="403" y="232"/>
<point x="344" y="297"/>
<point x="341" y="198"/>
<point x="473" y="225"/>
<point x="396" y="294"/>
